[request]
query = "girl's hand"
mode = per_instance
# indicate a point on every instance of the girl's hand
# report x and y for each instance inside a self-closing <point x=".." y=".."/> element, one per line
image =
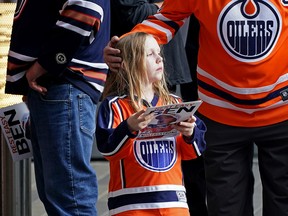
<point x="186" y="128"/>
<point x="139" y="121"/>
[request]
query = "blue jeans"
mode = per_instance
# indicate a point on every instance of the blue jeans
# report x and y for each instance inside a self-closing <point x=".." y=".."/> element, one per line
<point x="62" y="129"/>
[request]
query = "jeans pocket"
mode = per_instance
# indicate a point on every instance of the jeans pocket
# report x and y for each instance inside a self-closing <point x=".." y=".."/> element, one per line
<point x="87" y="114"/>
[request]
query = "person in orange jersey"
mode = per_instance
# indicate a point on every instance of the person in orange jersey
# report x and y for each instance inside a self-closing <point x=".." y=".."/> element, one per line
<point x="242" y="79"/>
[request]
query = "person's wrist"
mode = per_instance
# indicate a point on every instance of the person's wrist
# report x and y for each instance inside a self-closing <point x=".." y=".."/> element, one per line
<point x="158" y="4"/>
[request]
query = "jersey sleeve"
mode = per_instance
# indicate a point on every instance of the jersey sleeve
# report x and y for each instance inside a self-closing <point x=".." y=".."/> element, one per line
<point x="166" y="23"/>
<point x="113" y="136"/>
<point x="194" y="147"/>
<point x="77" y="25"/>
<point x="133" y="12"/>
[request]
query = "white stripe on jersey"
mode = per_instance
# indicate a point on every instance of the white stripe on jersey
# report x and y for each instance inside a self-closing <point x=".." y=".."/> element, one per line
<point x="196" y="146"/>
<point x="145" y="189"/>
<point x="21" y="56"/>
<point x="160" y="28"/>
<point x="86" y="4"/>
<point x="149" y="206"/>
<point x="243" y="91"/>
<point x="15" y="77"/>
<point x="97" y="86"/>
<point x="118" y="147"/>
<point x="94" y="65"/>
<point x="226" y="105"/>
<point x="73" y="28"/>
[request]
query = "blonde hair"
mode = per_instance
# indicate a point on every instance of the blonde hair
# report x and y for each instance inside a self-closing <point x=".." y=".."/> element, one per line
<point x="132" y="73"/>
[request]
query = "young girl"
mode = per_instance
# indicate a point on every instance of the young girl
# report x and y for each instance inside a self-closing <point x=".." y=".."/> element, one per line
<point x="145" y="174"/>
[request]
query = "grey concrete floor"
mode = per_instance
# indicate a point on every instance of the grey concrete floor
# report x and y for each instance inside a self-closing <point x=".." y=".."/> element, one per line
<point x="102" y="169"/>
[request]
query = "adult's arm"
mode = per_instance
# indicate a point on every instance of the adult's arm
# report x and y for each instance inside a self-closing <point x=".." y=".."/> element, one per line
<point x="134" y="11"/>
<point x="125" y="14"/>
<point x="176" y="11"/>
<point x="76" y="26"/>
<point x="166" y="23"/>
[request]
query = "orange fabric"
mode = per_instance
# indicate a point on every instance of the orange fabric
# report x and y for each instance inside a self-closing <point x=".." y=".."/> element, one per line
<point x="174" y="176"/>
<point x="157" y="212"/>
<point x="236" y="88"/>
<point x="132" y="173"/>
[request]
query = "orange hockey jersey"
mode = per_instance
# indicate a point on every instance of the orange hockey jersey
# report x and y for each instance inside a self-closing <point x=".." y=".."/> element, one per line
<point x="242" y="62"/>
<point x="145" y="175"/>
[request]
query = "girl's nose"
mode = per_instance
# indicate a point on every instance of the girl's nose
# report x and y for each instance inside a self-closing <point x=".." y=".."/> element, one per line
<point x="159" y="58"/>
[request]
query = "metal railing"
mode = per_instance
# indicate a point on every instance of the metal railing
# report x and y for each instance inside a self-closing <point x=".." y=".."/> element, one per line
<point x="15" y="184"/>
<point x="15" y="187"/>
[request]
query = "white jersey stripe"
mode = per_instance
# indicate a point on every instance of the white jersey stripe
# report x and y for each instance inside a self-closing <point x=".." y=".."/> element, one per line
<point x="226" y="105"/>
<point x="149" y="206"/>
<point x="73" y="28"/>
<point x="160" y="28"/>
<point x="243" y="91"/>
<point x="87" y="4"/>
<point x="145" y="189"/>
<point x="94" y="65"/>
<point x="15" y="77"/>
<point x="21" y="56"/>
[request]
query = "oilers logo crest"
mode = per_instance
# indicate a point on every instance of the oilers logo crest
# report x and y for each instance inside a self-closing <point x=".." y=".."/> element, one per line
<point x="156" y="154"/>
<point x="249" y="29"/>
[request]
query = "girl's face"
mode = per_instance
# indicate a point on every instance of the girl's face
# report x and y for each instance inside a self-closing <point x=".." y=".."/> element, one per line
<point x="154" y="61"/>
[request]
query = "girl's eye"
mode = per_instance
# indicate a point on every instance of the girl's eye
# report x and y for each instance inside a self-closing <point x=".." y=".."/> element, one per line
<point x="149" y="54"/>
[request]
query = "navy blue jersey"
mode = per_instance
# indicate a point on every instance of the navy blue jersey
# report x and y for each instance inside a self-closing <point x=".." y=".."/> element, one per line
<point x="67" y="38"/>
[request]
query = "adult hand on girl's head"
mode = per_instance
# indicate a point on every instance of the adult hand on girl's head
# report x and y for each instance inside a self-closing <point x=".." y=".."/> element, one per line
<point x="111" y="55"/>
<point x="139" y="120"/>
<point x="186" y="128"/>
